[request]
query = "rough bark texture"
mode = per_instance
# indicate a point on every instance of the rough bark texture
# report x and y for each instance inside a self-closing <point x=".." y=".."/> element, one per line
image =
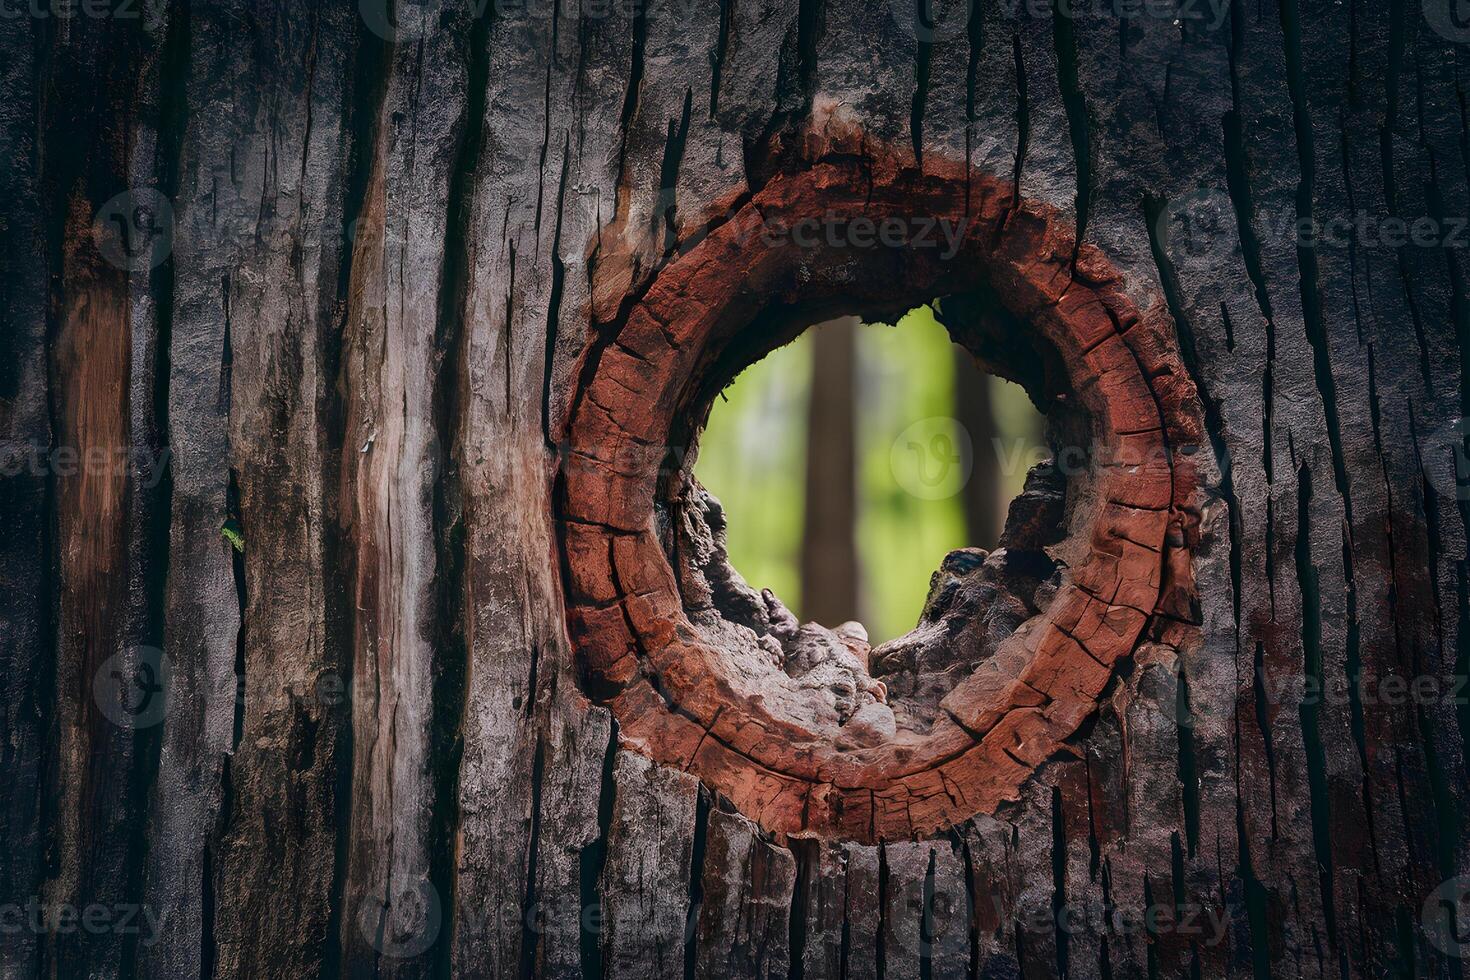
<point x="357" y="615"/>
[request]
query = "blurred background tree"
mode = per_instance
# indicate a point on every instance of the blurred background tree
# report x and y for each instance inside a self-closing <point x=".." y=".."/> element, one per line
<point x="830" y="570"/>
<point x="838" y="532"/>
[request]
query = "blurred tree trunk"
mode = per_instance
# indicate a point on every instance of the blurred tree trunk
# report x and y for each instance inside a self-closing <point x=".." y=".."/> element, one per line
<point x="984" y="494"/>
<point x="829" y="556"/>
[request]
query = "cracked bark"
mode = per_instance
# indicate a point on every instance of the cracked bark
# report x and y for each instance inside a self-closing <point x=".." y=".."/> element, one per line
<point x="400" y="269"/>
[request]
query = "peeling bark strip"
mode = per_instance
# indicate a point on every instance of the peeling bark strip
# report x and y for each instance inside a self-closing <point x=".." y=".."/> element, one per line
<point x="95" y="741"/>
<point x="673" y="698"/>
<point x="392" y="464"/>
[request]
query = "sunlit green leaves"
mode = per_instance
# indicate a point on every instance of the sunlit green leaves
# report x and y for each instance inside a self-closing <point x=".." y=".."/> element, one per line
<point x="910" y="463"/>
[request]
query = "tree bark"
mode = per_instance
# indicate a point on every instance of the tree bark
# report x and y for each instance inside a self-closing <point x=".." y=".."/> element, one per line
<point x="351" y="283"/>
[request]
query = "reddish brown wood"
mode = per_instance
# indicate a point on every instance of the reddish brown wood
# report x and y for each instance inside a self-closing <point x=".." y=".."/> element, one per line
<point x="667" y="688"/>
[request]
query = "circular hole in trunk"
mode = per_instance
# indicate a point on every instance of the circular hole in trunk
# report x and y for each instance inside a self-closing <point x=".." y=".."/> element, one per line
<point x="825" y="671"/>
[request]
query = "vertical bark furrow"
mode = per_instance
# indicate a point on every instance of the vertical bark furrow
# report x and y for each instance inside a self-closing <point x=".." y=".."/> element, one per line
<point x="450" y="401"/>
<point x="863" y="919"/>
<point x="948" y="914"/>
<point x="27" y="637"/>
<point x="268" y="176"/>
<point x="515" y="247"/>
<point x="202" y="611"/>
<point x="824" y="908"/>
<point x="1064" y="41"/>
<point x="748" y="886"/>
<point x="106" y="231"/>
<point x="297" y="307"/>
<point x="1158" y="89"/>
<point x="905" y="870"/>
<point x="393" y="461"/>
<point x="1268" y="107"/>
<point x="650" y="848"/>
<point x="566" y="914"/>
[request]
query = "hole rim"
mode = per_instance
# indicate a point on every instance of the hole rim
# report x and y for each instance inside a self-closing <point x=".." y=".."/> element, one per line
<point x="644" y="659"/>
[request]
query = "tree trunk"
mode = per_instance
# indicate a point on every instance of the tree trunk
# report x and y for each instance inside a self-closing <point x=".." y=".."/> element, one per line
<point x="982" y="500"/>
<point x="357" y="613"/>
<point x="829" y="558"/>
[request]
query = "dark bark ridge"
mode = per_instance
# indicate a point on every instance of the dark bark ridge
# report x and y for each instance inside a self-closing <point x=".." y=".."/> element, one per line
<point x="717" y="698"/>
<point x="1263" y="788"/>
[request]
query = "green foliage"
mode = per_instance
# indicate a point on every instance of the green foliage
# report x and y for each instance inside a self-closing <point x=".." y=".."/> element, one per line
<point x="752" y="457"/>
<point x="234" y="534"/>
<point x="905" y="375"/>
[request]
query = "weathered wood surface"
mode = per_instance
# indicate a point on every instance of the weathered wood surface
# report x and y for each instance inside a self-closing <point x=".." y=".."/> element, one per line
<point x="744" y="927"/>
<point x="397" y="230"/>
